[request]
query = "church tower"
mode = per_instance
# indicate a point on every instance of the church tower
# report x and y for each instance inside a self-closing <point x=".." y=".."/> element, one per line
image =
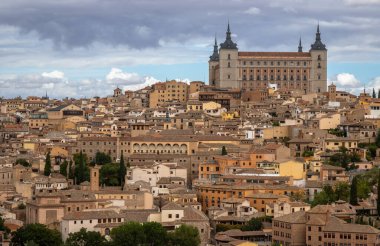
<point x="94" y="178"/>
<point x="318" y="73"/>
<point x="332" y="92"/>
<point x="228" y="63"/>
<point x="213" y="63"/>
<point x="300" y="46"/>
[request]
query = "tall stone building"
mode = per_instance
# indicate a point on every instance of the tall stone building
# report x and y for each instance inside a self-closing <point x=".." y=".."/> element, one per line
<point x="303" y="71"/>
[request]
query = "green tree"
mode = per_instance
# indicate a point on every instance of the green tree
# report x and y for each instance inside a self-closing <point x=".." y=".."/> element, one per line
<point x="185" y="235"/>
<point x="342" y="191"/>
<point x="128" y="234"/>
<point x="254" y="224"/>
<point x="372" y="150"/>
<point x="354" y="191"/>
<point x="85" y="238"/>
<point x="155" y="234"/>
<point x="224" y="150"/>
<point x="377" y="141"/>
<point x="102" y="158"/>
<point x="226" y="227"/>
<point x="378" y="193"/>
<point x="326" y="196"/>
<point x="63" y="168"/>
<point x="378" y="93"/>
<point x="373" y="93"/>
<point x="47" y="169"/>
<point x="336" y="131"/>
<point x="363" y="187"/>
<point x="109" y="174"/>
<point x="31" y="243"/>
<point x="122" y="170"/>
<point x="23" y="162"/>
<point x="4" y="228"/>
<point x="38" y="233"/>
<point x="307" y="153"/>
<point x="82" y="172"/>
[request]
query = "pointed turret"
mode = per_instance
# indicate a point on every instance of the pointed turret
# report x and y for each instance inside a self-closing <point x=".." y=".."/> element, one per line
<point x="215" y="54"/>
<point x="318" y="45"/>
<point x="300" y="46"/>
<point x="228" y="43"/>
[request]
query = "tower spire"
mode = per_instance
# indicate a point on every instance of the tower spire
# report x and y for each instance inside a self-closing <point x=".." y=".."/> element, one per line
<point x="300" y="45"/>
<point x="318" y="28"/>
<point x="228" y="43"/>
<point x="215" y="54"/>
<point x="318" y="45"/>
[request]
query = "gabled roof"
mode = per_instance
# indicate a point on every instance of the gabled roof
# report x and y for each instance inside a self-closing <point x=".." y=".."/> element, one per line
<point x="171" y="206"/>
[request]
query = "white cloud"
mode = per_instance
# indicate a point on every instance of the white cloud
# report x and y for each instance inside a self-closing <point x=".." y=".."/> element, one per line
<point x="374" y="83"/>
<point x="57" y="86"/>
<point x="253" y="11"/>
<point x="117" y="74"/>
<point x="346" y="80"/>
<point x="53" y="75"/>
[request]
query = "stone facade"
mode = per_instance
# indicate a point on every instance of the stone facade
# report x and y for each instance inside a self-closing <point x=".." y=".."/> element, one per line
<point x="302" y="71"/>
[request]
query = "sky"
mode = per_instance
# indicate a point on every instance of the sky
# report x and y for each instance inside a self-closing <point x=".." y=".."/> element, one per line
<point x="87" y="48"/>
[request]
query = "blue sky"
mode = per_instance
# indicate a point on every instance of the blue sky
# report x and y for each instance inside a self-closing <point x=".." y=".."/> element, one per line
<point x="86" y="48"/>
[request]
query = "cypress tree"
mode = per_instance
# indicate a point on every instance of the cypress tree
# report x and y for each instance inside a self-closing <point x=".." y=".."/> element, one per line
<point x="47" y="169"/>
<point x="354" y="191"/>
<point x="224" y="150"/>
<point x="378" y="93"/>
<point x="373" y="93"/>
<point x="122" y="170"/>
<point x="63" y="168"/>
<point x="80" y="169"/>
<point x="378" y="194"/>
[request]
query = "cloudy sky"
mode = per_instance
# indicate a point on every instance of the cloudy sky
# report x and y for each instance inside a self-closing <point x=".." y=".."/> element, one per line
<point x="88" y="47"/>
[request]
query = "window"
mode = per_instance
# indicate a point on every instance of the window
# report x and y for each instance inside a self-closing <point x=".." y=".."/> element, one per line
<point x="177" y="216"/>
<point x="169" y="216"/>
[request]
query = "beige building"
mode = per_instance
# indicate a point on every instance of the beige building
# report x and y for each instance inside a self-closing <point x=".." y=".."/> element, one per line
<point x="112" y="146"/>
<point x="302" y="71"/>
<point x="101" y="221"/>
<point x="284" y="208"/>
<point x="153" y="174"/>
<point x="323" y="225"/>
<point x="171" y="91"/>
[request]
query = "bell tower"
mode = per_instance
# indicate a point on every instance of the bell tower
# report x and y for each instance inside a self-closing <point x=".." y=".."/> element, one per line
<point x="228" y="62"/>
<point x="318" y="73"/>
<point x="94" y="178"/>
<point x="213" y="63"/>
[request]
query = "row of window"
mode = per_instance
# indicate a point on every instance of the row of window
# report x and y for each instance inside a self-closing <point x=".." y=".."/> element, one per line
<point x="272" y="63"/>
<point x="282" y="225"/>
<point x="282" y="234"/>
<point x="258" y="77"/>
<point x="113" y="220"/>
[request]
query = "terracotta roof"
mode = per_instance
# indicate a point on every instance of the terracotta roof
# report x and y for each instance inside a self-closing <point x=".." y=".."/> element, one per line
<point x="86" y="215"/>
<point x="191" y="214"/>
<point x="338" y="225"/>
<point x="172" y="206"/>
<point x="296" y="217"/>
